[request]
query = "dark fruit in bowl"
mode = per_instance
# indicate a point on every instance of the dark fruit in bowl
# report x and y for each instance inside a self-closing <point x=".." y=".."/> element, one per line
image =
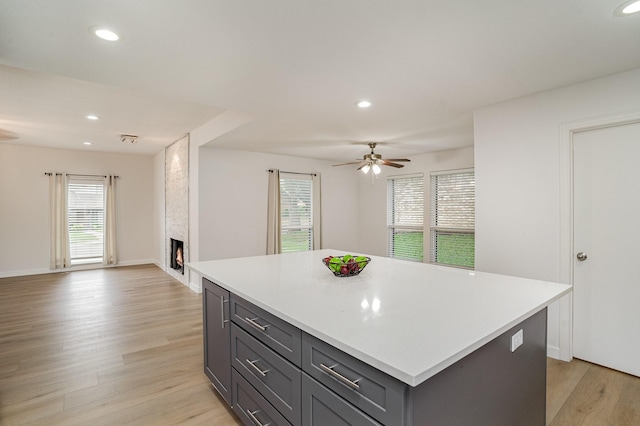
<point x="347" y="265"/>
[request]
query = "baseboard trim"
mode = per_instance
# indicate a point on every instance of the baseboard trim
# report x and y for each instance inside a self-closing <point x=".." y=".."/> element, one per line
<point x="553" y="352"/>
<point x="25" y="272"/>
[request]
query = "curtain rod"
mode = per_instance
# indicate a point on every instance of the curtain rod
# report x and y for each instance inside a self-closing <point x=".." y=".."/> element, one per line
<point x="294" y="173"/>
<point x="71" y="174"/>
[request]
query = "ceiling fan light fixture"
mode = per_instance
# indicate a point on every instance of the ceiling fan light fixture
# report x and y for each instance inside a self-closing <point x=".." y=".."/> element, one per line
<point x="376" y="169"/>
<point x="104" y="33"/>
<point x="365" y="169"/>
<point x="627" y="8"/>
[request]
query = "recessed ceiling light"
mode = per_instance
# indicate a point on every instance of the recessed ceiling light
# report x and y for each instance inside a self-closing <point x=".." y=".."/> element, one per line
<point x="87" y="143"/>
<point x="92" y="117"/>
<point x="364" y="104"/>
<point x="104" y="33"/>
<point x="627" y="8"/>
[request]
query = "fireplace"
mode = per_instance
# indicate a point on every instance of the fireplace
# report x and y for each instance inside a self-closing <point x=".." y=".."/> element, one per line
<point x="177" y="255"/>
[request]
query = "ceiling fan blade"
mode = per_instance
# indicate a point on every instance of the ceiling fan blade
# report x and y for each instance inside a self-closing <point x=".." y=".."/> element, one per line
<point x="389" y="163"/>
<point x="7" y="134"/>
<point x="397" y="159"/>
<point x="345" y="164"/>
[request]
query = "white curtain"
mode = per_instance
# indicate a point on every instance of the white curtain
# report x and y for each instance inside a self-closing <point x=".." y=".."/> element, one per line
<point x="317" y="212"/>
<point x="110" y="230"/>
<point x="59" y="252"/>
<point x="274" y="245"/>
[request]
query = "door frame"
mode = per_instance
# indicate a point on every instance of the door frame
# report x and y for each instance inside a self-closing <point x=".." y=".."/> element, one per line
<point x="567" y="133"/>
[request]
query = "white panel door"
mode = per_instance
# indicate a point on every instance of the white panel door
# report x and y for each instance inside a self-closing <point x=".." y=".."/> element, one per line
<point x="607" y="230"/>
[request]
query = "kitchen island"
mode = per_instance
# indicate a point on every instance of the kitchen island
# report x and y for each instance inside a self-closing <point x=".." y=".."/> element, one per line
<point x="402" y="343"/>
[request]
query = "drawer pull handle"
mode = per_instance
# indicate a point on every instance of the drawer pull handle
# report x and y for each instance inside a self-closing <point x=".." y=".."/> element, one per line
<point x="222" y="320"/>
<point x="252" y="416"/>
<point x="252" y="322"/>
<point x="263" y="373"/>
<point x="330" y="370"/>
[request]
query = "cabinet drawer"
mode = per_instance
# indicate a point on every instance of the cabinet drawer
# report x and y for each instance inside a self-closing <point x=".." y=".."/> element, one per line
<point x="274" y="377"/>
<point x="279" y="335"/>
<point x="374" y="392"/>
<point x="251" y="407"/>
<point x="321" y="407"/>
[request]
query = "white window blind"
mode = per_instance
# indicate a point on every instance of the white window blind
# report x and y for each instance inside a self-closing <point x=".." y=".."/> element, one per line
<point x="296" y="212"/>
<point x="85" y="213"/>
<point x="452" y="239"/>
<point x="405" y="217"/>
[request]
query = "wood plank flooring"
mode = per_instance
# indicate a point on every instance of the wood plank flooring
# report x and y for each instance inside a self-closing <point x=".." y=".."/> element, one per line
<point x="104" y="347"/>
<point x="123" y="346"/>
<point x="585" y="394"/>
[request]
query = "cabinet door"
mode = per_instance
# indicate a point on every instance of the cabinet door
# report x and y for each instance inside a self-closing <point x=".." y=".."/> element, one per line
<point x="321" y="407"/>
<point x="217" y="337"/>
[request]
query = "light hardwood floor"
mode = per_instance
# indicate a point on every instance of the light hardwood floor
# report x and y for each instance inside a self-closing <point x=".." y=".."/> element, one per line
<point x="104" y="347"/>
<point x="124" y="346"/>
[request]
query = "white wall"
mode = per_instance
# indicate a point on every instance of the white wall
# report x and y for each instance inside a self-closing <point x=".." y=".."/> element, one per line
<point x="522" y="166"/>
<point x="233" y="202"/>
<point x="159" y="243"/>
<point x="373" y="196"/>
<point x="24" y="203"/>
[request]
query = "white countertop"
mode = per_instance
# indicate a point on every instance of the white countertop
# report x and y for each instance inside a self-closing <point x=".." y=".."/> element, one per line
<point x="408" y="319"/>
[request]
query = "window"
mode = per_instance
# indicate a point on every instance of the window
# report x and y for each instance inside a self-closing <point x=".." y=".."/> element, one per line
<point x="85" y="215"/>
<point x="296" y="212"/>
<point x="405" y="213"/>
<point x="453" y="218"/>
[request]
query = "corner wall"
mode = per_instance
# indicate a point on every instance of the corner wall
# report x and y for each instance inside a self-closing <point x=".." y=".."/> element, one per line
<point x="233" y="202"/>
<point x="159" y="246"/>
<point x="24" y="203"/>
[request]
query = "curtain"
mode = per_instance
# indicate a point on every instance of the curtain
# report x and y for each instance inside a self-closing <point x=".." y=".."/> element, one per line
<point x="274" y="245"/>
<point x="59" y="252"/>
<point x="317" y="212"/>
<point x="110" y="230"/>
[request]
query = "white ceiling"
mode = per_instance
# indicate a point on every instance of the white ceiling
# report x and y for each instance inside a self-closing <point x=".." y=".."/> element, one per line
<point x="297" y="67"/>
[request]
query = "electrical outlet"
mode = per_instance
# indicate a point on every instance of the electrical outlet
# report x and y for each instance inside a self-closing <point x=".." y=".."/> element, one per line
<point x="517" y="340"/>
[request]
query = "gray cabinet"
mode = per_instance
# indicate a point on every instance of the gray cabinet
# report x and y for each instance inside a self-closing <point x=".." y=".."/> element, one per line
<point x="217" y="337"/>
<point x="273" y="376"/>
<point x="252" y="408"/>
<point x="372" y="391"/>
<point x="275" y="333"/>
<point x="321" y="407"/>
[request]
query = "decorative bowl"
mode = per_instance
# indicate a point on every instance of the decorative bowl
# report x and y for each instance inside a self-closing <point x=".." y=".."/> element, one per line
<point x="347" y="265"/>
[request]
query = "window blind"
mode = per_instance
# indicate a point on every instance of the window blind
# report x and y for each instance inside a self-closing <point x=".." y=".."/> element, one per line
<point x="452" y="239"/>
<point x="405" y="217"/>
<point x="296" y="212"/>
<point x="85" y="214"/>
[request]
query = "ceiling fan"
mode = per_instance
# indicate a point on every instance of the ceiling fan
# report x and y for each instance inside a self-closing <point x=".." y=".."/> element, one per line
<point x="373" y="161"/>
<point x="7" y="134"/>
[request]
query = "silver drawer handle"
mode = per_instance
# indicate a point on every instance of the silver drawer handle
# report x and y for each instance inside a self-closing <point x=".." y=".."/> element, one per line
<point x="252" y="416"/>
<point x="222" y="302"/>
<point x="330" y="370"/>
<point x="252" y="322"/>
<point x="263" y="373"/>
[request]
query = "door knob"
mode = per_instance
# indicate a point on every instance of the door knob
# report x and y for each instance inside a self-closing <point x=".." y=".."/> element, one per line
<point x="582" y="256"/>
